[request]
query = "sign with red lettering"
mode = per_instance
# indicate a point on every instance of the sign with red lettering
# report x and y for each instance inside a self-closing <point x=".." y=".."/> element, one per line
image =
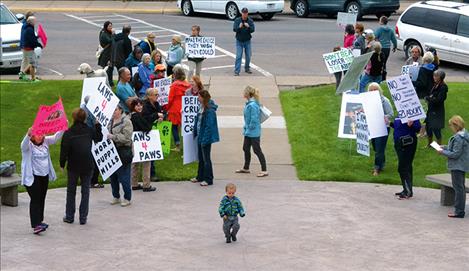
<point x="50" y="119"/>
<point x="102" y="103"/>
<point x="190" y="108"/>
<point x="147" y="146"/>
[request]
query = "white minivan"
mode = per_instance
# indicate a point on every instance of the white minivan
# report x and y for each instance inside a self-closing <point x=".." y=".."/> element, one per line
<point x="231" y="8"/>
<point x="10" y="34"/>
<point x="441" y="25"/>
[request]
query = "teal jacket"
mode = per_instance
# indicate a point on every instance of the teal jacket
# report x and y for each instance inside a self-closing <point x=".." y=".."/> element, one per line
<point x="231" y="207"/>
<point x="177" y="53"/>
<point x="252" y="119"/>
<point x="123" y="92"/>
<point x="206" y="125"/>
<point x="386" y="35"/>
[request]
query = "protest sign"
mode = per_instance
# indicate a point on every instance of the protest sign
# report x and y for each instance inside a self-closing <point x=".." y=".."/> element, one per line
<point x="41" y="33"/>
<point x="147" y="146"/>
<point x="200" y="47"/>
<point x="50" y="119"/>
<point x="190" y="149"/>
<point x="134" y="70"/>
<point x="164" y="128"/>
<point x="106" y="156"/>
<point x="190" y="108"/>
<point x="363" y="143"/>
<point x="163" y="86"/>
<point x="102" y="103"/>
<point x="368" y="102"/>
<point x="411" y="70"/>
<point x="89" y="87"/>
<point x="405" y="99"/>
<point x="345" y="18"/>
<point x="352" y="77"/>
<point x="338" y="61"/>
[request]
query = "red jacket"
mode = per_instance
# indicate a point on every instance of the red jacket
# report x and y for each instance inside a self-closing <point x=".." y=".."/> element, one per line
<point x="174" y="106"/>
<point x="348" y="41"/>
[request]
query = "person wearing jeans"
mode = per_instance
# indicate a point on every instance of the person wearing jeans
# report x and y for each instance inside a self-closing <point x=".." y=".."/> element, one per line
<point x="206" y="133"/>
<point x="244" y="27"/>
<point x="252" y="131"/>
<point x="386" y="35"/>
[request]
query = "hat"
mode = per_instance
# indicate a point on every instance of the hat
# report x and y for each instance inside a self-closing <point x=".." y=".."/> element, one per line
<point x="244" y="10"/>
<point x="160" y="67"/>
<point x="151" y="35"/>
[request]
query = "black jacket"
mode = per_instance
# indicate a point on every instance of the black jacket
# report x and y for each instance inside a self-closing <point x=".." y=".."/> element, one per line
<point x="121" y="49"/>
<point x="140" y="123"/>
<point x="436" y="106"/>
<point x="75" y="149"/>
<point x="424" y="82"/>
<point x="377" y="64"/>
<point x="150" y="111"/>
<point x="29" y="37"/>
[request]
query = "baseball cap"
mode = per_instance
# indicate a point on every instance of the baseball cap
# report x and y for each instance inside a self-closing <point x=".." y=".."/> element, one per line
<point x="244" y="10"/>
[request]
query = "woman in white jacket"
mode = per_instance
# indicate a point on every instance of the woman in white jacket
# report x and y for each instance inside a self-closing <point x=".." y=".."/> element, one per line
<point x="36" y="172"/>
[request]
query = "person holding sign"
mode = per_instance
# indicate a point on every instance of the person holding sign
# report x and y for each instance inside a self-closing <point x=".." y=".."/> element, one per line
<point x="152" y="111"/>
<point x="405" y="144"/>
<point x="36" y="172"/>
<point x="435" y="120"/>
<point x="177" y="90"/>
<point x="206" y="132"/>
<point x="195" y="63"/>
<point x="244" y="27"/>
<point x="252" y="131"/>
<point x="457" y="153"/>
<point x="120" y="132"/>
<point x="349" y="36"/>
<point x="424" y="82"/>
<point x="196" y="86"/>
<point x="124" y="89"/>
<point x="175" y="54"/>
<point x="140" y="124"/>
<point x="75" y="151"/>
<point x="374" y="69"/>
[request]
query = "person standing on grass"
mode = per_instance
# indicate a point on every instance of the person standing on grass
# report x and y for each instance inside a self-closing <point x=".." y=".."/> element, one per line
<point x="385" y="35"/>
<point x="424" y="83"/>
<point x="206" y="132"/>
<point x="177" y="90"/>
<point x="244" y="27"/>
<point x="252" y="131"/>
<point x="75" y="151"/>
<point x="195" y="63"/>
<point x="124" y="90"/>
<point x="106" y="39"/>
<point x="435" y="120"/>
<point x="30" y="42"/>
<point x="36" y="172"/>
<point x="457" y="153"/>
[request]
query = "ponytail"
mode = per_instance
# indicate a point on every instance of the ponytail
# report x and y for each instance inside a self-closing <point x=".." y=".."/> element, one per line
<point x="252" y="92"/>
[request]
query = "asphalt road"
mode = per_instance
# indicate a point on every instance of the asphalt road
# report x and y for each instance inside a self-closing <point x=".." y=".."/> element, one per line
<point x="286" y="45"/>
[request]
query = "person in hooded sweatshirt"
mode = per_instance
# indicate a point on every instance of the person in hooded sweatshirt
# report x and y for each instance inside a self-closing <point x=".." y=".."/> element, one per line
<point x="386" y="35"/>
<point x="122" y="47"/>
<point x="457" y="153"/>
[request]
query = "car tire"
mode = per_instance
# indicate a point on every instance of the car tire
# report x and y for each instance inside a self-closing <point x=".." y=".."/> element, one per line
<point x="267" y="16"/>
<point x="186" y="8"/>
<point x="231" y="11"/>
<point x="409" y="45"/>
<point x="301" y="8"/>
<point x="354" y="7"/>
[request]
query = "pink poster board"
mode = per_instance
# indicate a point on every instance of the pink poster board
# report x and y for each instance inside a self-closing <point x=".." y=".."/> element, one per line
<point x="42" y="35"/>
<point x="50" y="119"/>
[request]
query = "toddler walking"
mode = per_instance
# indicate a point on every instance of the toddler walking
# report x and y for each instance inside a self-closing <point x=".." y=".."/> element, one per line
<point x="230" y="207"/>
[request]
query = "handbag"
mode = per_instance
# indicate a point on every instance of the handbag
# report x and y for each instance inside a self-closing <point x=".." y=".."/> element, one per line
<point x="406" y="140"/>
<point x="125" y="154"/>
<point x="99" y="51"/>
<point x="265" y="113"/>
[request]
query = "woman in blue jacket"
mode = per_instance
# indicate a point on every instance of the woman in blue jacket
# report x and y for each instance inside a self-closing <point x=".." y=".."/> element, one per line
<point x="206" y="132"/>
<point x="252" y="131"/>
<point x="175" y="54"/>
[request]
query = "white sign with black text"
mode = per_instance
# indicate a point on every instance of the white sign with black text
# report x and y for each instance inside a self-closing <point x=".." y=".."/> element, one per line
<point x="147" y="146"/>
<point x="106" y="156"/>
<point x="405" y="99"/>
<point x="363" y="140"/>
<point x="338" y="61"/>
<point x="102" y="103"/>
<point x="162" y="85"/>
<point x="200" y="47"/>
<point x="190" y="108"/>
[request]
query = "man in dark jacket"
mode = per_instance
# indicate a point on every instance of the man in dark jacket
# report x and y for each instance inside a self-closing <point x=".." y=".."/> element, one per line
<point x="30" y="42"/>
<point x="122" y="47"/>
<point x="24" y="61"/>
<point x="75" y="150"/>
<point x="244" y="27"/>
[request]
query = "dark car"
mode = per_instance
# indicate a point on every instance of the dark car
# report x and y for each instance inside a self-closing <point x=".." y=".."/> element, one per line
<point x="303" y="8"/>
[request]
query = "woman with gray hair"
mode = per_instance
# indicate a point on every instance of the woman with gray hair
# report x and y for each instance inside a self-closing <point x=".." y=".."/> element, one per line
<point x="436" y="107"/>
<point x="175" y="54"/>
<point x="424" y="82"/>
<point x="144" y="73"/>
<point x="374" y="68"/>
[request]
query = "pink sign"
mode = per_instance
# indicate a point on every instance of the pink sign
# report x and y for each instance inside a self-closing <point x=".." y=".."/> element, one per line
<point x="42" y="35"/>
<point x="50" y="119"/>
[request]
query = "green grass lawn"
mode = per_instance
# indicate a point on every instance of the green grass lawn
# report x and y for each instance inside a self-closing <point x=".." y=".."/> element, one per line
<point x="19" y="103"/>
<point x="312" y="116"/>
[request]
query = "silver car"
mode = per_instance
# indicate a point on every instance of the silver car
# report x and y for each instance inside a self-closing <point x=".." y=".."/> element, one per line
<point x="10" y="34"/>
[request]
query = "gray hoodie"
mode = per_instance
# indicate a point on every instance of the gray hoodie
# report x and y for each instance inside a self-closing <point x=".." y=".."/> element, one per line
<point x="457" y="151"/>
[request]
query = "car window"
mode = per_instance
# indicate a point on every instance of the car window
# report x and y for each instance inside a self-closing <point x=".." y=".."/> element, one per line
<point x="463" y="26"/>
<point x="414" y="16"/>
<point x="431" y="18"/>
<point x="6" y="17"/>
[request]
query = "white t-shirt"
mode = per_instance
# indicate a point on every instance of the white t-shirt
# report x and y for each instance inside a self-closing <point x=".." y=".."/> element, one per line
<point x="40" y="160"/>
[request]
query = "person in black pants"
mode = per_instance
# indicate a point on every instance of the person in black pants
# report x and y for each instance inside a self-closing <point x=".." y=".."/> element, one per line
<point x="106" y="40"/>
<point x="405" y="144"/>
<point x="76" y="152"/>
<point x="436" y="107"/>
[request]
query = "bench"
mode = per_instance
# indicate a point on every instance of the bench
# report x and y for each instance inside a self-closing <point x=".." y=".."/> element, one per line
<point x="9" y="189"/>
<point x="447" y="191"/>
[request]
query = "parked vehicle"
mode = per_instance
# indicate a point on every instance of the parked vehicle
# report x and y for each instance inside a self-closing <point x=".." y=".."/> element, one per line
<point x="10" y="34"/>
<point x="231" y="8"/>
<point x="437" y="24"/>
<point x="303" y="8"/>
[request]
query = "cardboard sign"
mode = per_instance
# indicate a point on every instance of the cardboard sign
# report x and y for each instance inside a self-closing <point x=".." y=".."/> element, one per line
<point x="50" y="119"/>
<point x="102" y="103"/>
<point x="163" y="86"/>
<point x="42" y="35"/>
<point x="352" y="77"/>
<point x="165" y="131"/>
<point x="200" y="47"/>
<point x="106" y="156"/>
<point x="89" y="87"/>
<point x="190" y="108"/>
<point x="190" y="149"/>
<point x="411" y="70"/>
<point x="344" y="18"/>
<point x="147" y="146"/>
<point x="363" y="143"/>
<point x="338" y="61"/>
<point x="405" y="99"/>
<point x="134" y="70"/>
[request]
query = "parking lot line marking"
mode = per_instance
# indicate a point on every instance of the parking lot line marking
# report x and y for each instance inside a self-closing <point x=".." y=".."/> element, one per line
<point x="103" y="20"/>
<point x="54" y="71"/>
<point x="99" y="16"/>
<point x="82" y="19"/>
<point x="147" y="31"/>
<point x="217" y="67"/>
<point x="218" y="56"/>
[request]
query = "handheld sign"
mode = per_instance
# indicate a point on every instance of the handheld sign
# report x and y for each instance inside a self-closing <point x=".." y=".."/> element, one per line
<point x="163" y="86"/>
<point x="147" y="146"/>
<point x="200" y="47"/>
<point x="164" y="128"/>
<point x="134" y="70"/>
<point x="42" y="35"/>
<point x="102" y="103"/>
<point x="363" y="143"/>
<point x="89" y="87"/>
<point x="411" y="70"/>
<point x="190" y="149"/>
<point x="190" y="108"/>
<point x="345" y="18"/>
<point x="50" y="119"/>
<point x="106" y="156"/>
<point x="405" y="99"/>
<point x="352" y="77"/>
<point x="338" y="61"/>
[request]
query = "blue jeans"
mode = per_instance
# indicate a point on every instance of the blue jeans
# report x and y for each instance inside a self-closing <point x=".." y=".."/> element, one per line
<point x="379" y="145"/>
<point x="366" y="78"/>
<point x="122" y="175"/>
<point x="205" y="170"/>
<point x="240" y="45"/>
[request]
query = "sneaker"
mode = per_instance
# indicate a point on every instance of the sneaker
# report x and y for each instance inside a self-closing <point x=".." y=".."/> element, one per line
<point x="177" y="149"/>
<point x="204" y="183"/>
<point x="44" y="225"/>
<point x="22" y="75"/>
<point x="36" y="81"/>
<point x="228" y="240"/>
<point x="82" y="221"/>
<point x="149" y="189"/>
<point x="125" y="203"/>
<point x="403" y="196"/>
<point x="66" y="220"/>
<point x="399" y="193"/>
<point x="236" y="74"/>
<point x="248" y="71"/>
<point x="115" y="201"/>
<point x="233" y="237"/>
<point x="194" y="180"/>
<point x="38" y="229"/>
